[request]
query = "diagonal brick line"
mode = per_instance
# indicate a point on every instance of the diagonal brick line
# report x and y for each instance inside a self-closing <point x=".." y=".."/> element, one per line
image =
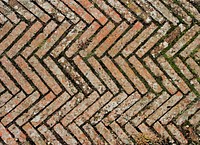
<point x="99" y="72"/>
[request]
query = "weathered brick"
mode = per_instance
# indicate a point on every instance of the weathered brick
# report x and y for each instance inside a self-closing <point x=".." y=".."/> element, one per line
<point x="83" y="39"/>
<point x="145" y="74"/>
<point x="133" y="110"/>
<point x="24" y="39"/>
<point x="97" y="39"/>
<point x="79" y="134"/>
<point x="164" y="108"/>
<point x="93" y="135"/>
<point x="20" y="108"/>
<point x="126" y="38"/>
<point x="126" y="104"/>
<point x="6" y="136"/>
<point x="175" y="77"/>
<point x="118" y="75"/>
<point x="135" y="43"/>
<point x="61" y="76"/>
<point x="12" y="103"/>
<point x="131" y="75"/>
<point x="45" y="75"/>
<point x="103" y="75"/>
<point x="178" y="135"/>
<point x="79" y="109"/>
<point x="35" y="136"/>
<point x="79" y="10"/>
<point x="106" y="134"/>
<point x="39" y="118"/>
<point x="88" y="113"/>
<point x="32" y="75"/>
<point x="35" y="109"/>
<point x="48" y="135"/>
<point x="112" y="104"/>
<point x="14" y="34"/>
<point x="65" y="109"/>
<point x="89" y="74"/>
<point x="64" y="134"/>
<point x="111" y="39"/>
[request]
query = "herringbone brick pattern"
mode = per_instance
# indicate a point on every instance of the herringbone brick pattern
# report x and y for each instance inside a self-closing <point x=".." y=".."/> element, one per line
<point x="99" y="72"/>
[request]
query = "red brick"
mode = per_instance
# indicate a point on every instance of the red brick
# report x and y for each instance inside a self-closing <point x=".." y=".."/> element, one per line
<point x="35" y="109"/>
<point x="133" y="110"/>
<point x="187" y="113"/>
<point x="79" y="109"/>
<point x="32" y="75"/>
<point x="75" y="130"/>
<point x="126" y="38"/>
<point x="48" y="135"/>
<point x="177" y="134"/>
<point x="183" y="40"/>
<point x="35" y="10"/>
<point x="126" y="104"/>
<point x="64" y="134"/>
<point x="147" y="132"/>
<point x="118" y="75"/>
<point x="93" y="11"/>
<point x="45" y="75"/>
<point x="6" y="136"/>
<point x="79" y="10"/>
<point x="97" y="39"/>
<point x="111" y="39"/>
<point x="20" y="108"/>
<point x="66" y="108"/>
<point x="24" y="39"/>
<point x="4" y="30"/>
<point x="177" y="109"/>
<point x="89" y="74"/>
<point x="68" y="68"/>
<point x="16" y="74"/>
<point x="39" y="40"/>
<point x="61" y="76"/>
<point x="68" y="39"/>
<point x="164" y="108"/>
<point x="8" y="82"/>
<point x="18" y="134"/>
<point x="11" y="104"/>
<point x="107" y="134"/>
<point x="195" y="119"/>
<point x="155" y="104"/>
<point x="135" y="43"/>
<point x="53" y="39"/>
<point x="4" y="98"/>
<point x="131" y="75"/>
<point x="14" y="34"/>
<point x="35" y="136"/>
<point x="153" y="40"/>
<point x="145" y="74"/>
<point x="111" y="105"/>
<point x="103" y="75"/>
<point x="120" y="133"/>
<point x="93" y="135"/>
<point x="88" y="113"/>
<point x="156" y="70"/>
<point x="171" y="72"/>
<point x="122" y="10"/>
<point x="162" y="131"/>
<point x="108" y="10"/>
<point x="82" y="39"/>
<point x="39" y="118"/>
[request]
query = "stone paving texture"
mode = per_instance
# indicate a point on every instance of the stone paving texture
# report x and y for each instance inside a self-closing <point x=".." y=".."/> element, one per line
<point x="99" y="72"/>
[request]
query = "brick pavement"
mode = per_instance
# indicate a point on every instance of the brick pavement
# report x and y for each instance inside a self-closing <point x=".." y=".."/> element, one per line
<point x="99" y="72"/>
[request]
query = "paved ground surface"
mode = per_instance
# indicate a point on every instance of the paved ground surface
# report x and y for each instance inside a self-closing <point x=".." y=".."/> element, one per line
<point x="99" y="72"/>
